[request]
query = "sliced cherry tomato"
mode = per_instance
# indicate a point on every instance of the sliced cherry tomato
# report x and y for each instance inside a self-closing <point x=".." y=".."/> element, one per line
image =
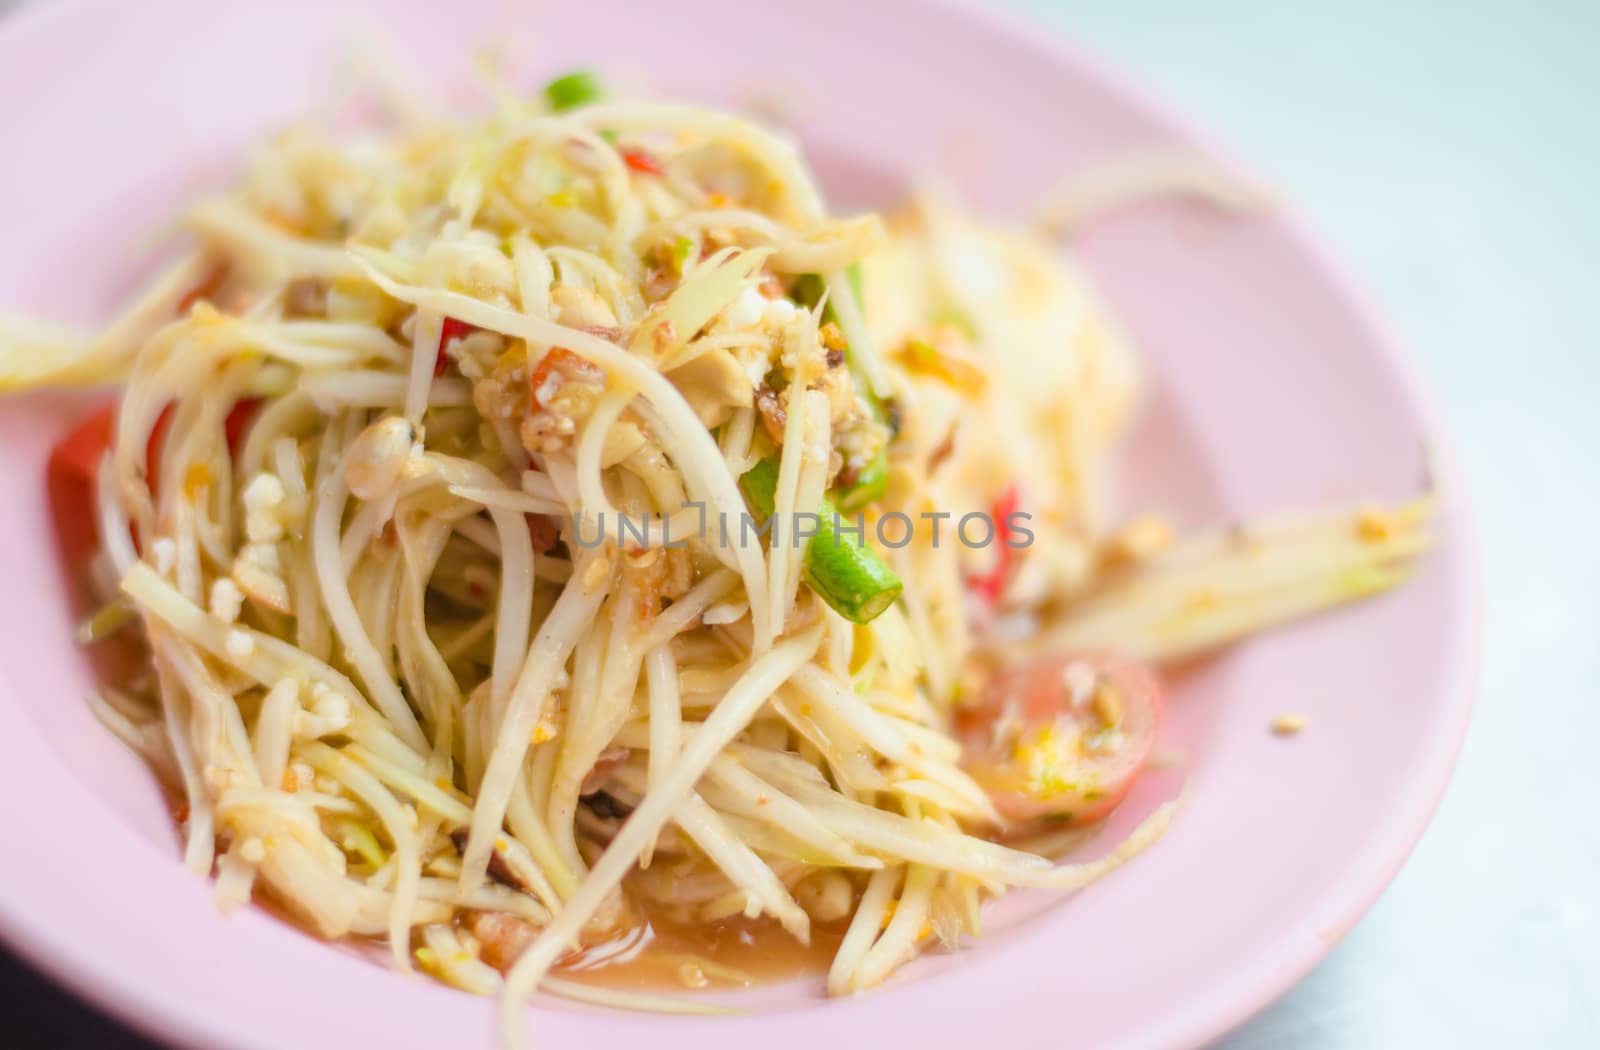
<point x="70" y="487"/>
<point x="641" y="162"/>
<point x="79" y="453"/>
<point x="82" y="449"/>
<point x="75" y="462"/>
<point x="1062" y="739"/>
<point x="70" y="481"/>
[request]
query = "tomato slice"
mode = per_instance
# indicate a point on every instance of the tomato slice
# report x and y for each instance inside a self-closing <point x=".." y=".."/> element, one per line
<point x="1062" y="739"/>
<point x="80" y="451"/>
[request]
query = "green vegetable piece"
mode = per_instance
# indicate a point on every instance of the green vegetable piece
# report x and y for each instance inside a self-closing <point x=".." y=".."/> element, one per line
<point x="808" y="289"/>
<point x="682" y="248"/>
<point x="869" y="486"/>
<point x="852" y="273"/>
<point x="872" y="482"/>
<point x="578" y="88"/>
<point x="954" y="315"/>
<point x="845" y="572"/>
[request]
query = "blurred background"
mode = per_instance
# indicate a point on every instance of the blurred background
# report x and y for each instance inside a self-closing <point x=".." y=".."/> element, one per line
<point x="1449" y="154"/>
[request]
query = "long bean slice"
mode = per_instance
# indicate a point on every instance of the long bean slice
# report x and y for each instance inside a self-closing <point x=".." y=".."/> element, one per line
<point x="843" y="570"/>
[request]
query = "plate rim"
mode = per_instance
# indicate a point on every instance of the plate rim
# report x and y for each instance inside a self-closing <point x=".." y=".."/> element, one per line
<point x="1232" y="1000"/>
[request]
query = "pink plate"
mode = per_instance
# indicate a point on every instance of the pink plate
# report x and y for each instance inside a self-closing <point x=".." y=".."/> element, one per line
<point x="1273" y="387"/>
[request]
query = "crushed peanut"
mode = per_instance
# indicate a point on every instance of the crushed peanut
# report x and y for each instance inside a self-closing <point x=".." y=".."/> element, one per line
<point x="1109" y="705"/>
<point x="240" y="644"/>
<point x="1288" y="724"/>
<point x="596" y="572"/>
<point x="1374" y="526"/>
<point x="227" y="600"/>
<point x="1139" y="540"/>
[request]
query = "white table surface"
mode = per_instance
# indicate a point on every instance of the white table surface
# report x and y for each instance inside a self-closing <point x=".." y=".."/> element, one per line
<point x="1451" y="158"/>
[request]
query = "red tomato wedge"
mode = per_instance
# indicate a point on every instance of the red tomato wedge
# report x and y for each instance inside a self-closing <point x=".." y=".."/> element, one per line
<point x="79" y="452"/>
<point x="85" y="445"/>
<point x="1062" y="739"/>
<point x="70" y="483"/>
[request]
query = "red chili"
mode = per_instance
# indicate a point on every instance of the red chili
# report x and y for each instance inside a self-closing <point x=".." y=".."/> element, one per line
<point x="641" y="162"/>
<point x="451" y="329"/>
<point x="993" y="583"/>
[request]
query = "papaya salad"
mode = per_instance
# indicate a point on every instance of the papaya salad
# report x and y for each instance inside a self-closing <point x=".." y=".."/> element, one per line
<point x="452" y="495"/>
